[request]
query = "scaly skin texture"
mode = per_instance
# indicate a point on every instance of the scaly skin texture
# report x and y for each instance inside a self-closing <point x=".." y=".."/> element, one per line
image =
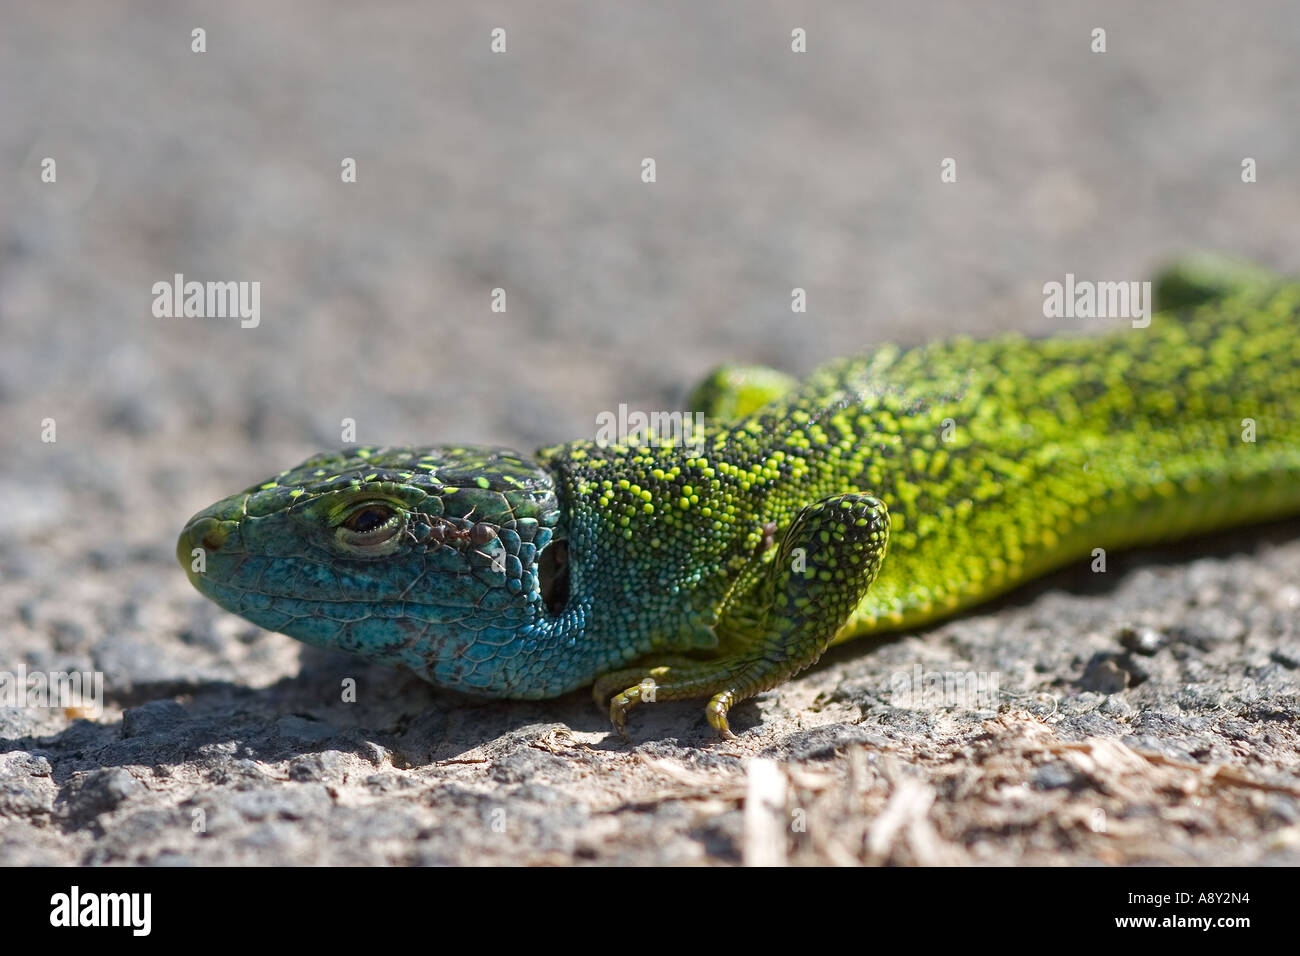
<point x="883" y="492"/>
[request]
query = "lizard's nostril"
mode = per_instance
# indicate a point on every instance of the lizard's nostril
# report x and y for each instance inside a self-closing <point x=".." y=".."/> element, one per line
<point x="213" y="538"/>
<point x="206" y="533"/>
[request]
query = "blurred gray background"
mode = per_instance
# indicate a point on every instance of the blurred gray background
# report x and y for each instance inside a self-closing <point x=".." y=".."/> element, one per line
<point x="522" y="170"/>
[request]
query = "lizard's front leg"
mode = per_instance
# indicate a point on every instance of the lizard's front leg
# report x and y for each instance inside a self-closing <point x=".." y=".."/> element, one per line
<point x="827" y="561"/>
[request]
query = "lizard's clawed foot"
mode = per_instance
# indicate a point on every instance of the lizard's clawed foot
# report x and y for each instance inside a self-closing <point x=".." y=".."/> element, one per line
<point x="621" y="690"/>
<point x="724" y="682"/>
<point x="643" y="691"/>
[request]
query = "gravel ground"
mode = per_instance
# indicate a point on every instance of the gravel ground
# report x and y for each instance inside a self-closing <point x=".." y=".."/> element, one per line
<point x="1147" y="715"/>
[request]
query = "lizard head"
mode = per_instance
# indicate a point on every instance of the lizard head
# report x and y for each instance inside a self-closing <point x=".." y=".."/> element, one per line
<point x="442" y="559"/>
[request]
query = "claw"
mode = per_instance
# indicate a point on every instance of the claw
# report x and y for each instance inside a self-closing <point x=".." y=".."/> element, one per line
<point x="716" y="714"/>
<point x="619" y="703"/>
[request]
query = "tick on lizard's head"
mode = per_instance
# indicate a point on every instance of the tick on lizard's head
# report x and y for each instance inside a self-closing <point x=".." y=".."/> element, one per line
<point x="387" y="552"/>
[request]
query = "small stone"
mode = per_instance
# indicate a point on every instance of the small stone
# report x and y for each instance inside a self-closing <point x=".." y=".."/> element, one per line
<point x="1141" y="640"/>
<point x="1056" y="776"/>
<point x="317" y="767"/>
<point x="92" y="794"/>
<point x="18" y="799"/>
<point x="1104" y="676"/>
<point x="1287" y="657"/>
<point x="1115" y="706"/>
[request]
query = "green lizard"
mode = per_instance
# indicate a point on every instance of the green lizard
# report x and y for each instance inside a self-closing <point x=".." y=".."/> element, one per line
<point x="722" y="570"/>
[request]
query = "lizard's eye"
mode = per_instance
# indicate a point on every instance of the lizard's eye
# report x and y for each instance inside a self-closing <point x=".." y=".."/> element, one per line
<point x="369" y="526"/>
